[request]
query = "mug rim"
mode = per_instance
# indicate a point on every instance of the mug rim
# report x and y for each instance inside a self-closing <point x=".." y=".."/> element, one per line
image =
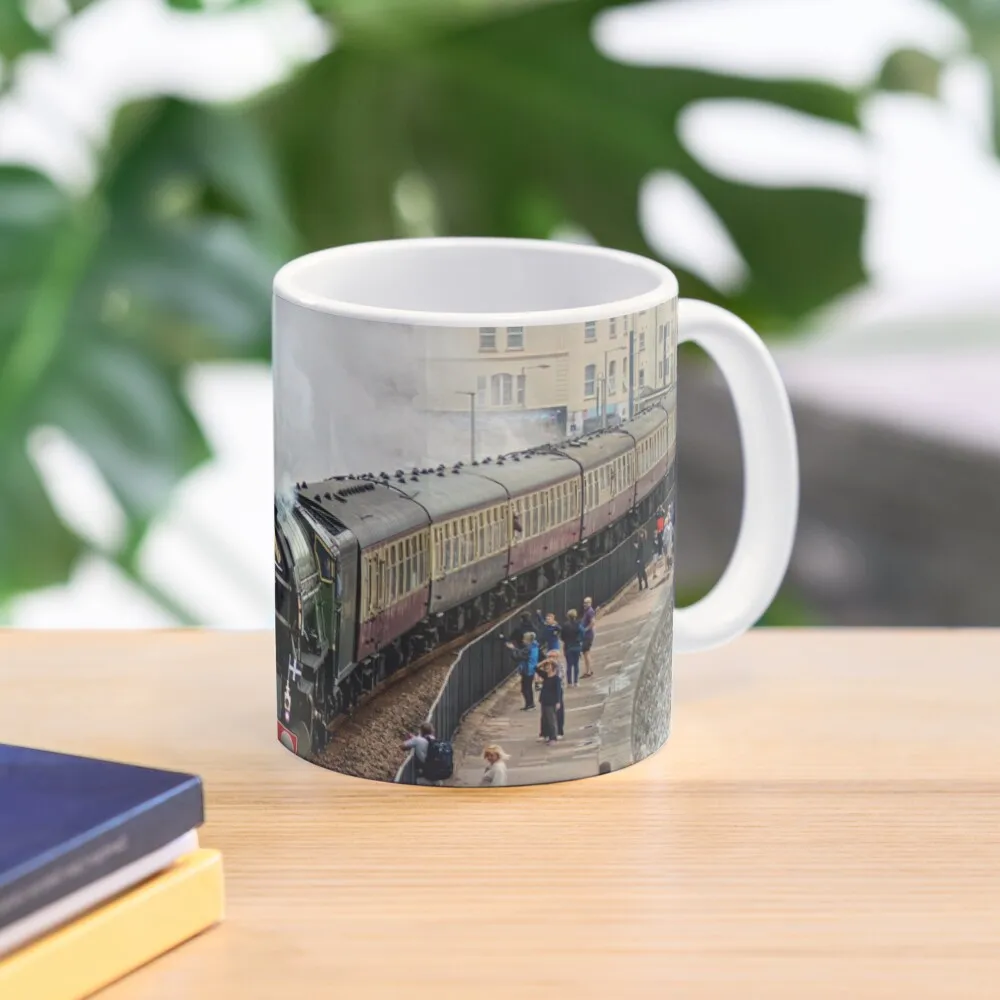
<point x="285" y="286"/>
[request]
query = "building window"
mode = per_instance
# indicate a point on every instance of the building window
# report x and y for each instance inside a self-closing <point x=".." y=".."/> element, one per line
<point x="612" y="328"/>
<point x="612" y="368"/>
<point x="487" y="338"/>
<point x="481" y="390"/>
<point x="501" y="390"/>
<point x="515" y="338"/>
<point x="642" y="341"/>
<point x="590" y="331"/>
<point x="520" y="390"/>
<point x="642" y="377"/>
<point x="589" y="378"/>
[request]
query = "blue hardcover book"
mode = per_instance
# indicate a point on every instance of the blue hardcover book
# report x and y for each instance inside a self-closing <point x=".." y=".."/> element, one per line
<point x="67" y="822"/>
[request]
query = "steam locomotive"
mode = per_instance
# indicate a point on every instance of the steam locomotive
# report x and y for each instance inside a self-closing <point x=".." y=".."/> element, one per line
<point x="373" y="571"/>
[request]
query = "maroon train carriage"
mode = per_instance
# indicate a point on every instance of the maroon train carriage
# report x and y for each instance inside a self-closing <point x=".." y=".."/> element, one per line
<point x="544" y="491"/>
<point x="467" y="540"/>
<point x="607" y="461"/>
<point x="651" y="433"/>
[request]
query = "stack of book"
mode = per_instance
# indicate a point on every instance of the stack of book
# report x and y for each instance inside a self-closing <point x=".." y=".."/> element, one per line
<point x="100" y="871"/>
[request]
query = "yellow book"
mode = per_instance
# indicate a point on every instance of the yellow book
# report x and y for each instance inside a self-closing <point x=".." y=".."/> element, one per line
<point x="111" y="941"/>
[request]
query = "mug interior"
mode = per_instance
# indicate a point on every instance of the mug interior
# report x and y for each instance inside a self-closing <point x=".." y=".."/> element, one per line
<point x="439" y="280"/>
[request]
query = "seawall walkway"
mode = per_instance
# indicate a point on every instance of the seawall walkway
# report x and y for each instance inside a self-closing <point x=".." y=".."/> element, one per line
<point x="598" y="710"/>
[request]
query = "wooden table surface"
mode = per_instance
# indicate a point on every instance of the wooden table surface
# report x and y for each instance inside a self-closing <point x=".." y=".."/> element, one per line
<point x="824" y="822"/>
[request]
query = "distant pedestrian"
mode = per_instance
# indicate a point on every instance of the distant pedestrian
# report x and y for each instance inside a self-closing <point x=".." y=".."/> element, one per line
<point x="550" y="698"/>
<point x="571" y="635"/>
<point x="657" y="553"/>
<point x="589" y="615"/>
<point x="523" y="624"/>
<point x="495" y="774"/>
<point x="553" y="663"/>
<point x="548" y="629"/>
<point x="526" y="656"/>
<point x="668" y="540"/>
<point x="638" y="546"/>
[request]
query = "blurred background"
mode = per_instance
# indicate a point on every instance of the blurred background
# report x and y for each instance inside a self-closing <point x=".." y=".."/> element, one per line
<point x="828" y="170"/>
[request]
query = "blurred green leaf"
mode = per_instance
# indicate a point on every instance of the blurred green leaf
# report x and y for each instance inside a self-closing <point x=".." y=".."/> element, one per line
<point x="36" y="549"/>
<point x="911" y="70"/>
<point x="517" y="120"/>
<point x="105" y="303"/>
<point x="17" y="34"/>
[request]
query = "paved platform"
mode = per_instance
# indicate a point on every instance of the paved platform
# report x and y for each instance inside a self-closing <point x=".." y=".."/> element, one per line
<point x="598" y="710"/>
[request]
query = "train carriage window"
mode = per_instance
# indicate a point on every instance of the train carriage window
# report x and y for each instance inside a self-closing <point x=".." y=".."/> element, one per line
<point x="481" y="551"/>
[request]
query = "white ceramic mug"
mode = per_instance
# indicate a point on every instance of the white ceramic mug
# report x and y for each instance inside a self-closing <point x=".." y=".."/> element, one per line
<point x="474" y="494"/>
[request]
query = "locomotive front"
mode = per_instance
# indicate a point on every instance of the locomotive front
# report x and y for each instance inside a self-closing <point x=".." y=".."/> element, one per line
<point x="307" y="613"/>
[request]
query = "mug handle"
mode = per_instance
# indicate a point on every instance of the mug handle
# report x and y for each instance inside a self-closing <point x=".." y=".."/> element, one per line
<point x="770" y="480"/>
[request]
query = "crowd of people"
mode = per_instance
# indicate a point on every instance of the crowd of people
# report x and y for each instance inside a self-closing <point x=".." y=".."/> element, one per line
<point x="548" y="653"/>
<point x="663" y="542"/>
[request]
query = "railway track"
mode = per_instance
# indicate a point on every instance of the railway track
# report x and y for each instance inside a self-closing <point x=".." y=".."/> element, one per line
<point x="366" y="743"/>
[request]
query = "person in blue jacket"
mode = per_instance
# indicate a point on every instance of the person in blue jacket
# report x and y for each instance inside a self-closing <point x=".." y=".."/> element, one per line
<point x="548" y="629"/>
<point x="526" y="656"/>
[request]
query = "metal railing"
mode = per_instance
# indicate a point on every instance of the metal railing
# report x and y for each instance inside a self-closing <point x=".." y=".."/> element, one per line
<point x="485" y="663"/>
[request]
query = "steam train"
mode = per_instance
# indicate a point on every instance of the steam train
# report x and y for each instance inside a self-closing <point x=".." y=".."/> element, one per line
<point x="373" y="571"/>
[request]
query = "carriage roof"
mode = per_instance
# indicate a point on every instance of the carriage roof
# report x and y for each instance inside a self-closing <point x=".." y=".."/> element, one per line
<point x="526" y="471"/>
<point x="596" y="449"/>
<point x="371" y="510"/>
<point x="447" y="492"/>
<point x="643" y="425"/>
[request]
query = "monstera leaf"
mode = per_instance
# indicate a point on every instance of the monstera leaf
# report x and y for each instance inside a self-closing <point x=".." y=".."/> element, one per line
<point x="516" y="123"/>
<point x="105" y="302"/>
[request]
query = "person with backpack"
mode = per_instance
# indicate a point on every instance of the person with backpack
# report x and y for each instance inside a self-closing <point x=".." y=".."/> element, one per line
<point x="571" y="635"/>
<point x="526" y="656"/>
<point x="434" y="758"/>
<point x="548" y="629"/>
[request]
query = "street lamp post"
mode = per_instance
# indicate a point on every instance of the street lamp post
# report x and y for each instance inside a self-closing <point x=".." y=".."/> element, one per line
<point x="472" y="421"/>
<point x="524" y="382"/>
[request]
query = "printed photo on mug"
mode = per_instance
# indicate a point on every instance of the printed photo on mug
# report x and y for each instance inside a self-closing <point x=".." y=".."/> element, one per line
<point x="474" y="523"/>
